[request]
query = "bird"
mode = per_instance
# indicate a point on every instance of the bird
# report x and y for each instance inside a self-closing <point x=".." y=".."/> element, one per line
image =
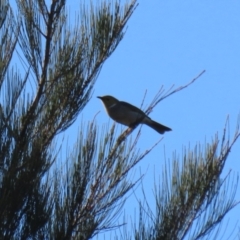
<point x="129" y="115"/>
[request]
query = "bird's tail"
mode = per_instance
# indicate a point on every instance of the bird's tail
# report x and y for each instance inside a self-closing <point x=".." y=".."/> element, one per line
<point x="158" y="127"/>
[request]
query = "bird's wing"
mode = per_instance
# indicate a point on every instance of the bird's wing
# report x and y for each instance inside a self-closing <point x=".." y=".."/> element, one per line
<point x="133" y="108"/>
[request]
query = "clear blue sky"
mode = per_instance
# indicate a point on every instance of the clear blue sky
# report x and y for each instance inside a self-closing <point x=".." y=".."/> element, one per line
<point x="171" y="42"/>
<point x="166" y="43"/>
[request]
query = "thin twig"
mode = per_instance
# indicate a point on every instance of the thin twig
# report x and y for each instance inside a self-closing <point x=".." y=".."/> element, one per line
<point x="158" y="97"/>
<point x="155" y="101"/>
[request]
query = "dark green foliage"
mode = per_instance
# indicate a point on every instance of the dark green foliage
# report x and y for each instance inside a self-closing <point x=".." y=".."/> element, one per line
<point x="61" y="65"/>
<point x="47" y="72"/>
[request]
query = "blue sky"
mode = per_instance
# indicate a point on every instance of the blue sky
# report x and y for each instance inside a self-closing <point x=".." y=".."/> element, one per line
<point x="171" y="42"/>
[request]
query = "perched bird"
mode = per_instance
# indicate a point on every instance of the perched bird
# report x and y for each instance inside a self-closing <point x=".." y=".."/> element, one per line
<point x="129" y="115"/>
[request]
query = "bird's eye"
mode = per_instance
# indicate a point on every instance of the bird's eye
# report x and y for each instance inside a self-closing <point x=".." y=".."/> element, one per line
<point x="107" y="99"/>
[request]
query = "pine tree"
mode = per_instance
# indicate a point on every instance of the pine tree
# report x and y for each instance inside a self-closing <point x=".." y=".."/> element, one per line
<point x="48" y="71"/>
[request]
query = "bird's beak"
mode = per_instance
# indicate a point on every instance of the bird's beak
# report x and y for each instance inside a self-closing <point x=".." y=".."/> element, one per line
<point x="99" y="97"/>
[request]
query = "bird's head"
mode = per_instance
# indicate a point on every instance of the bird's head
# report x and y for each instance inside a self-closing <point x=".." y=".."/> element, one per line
<point x="108" y="101"/>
